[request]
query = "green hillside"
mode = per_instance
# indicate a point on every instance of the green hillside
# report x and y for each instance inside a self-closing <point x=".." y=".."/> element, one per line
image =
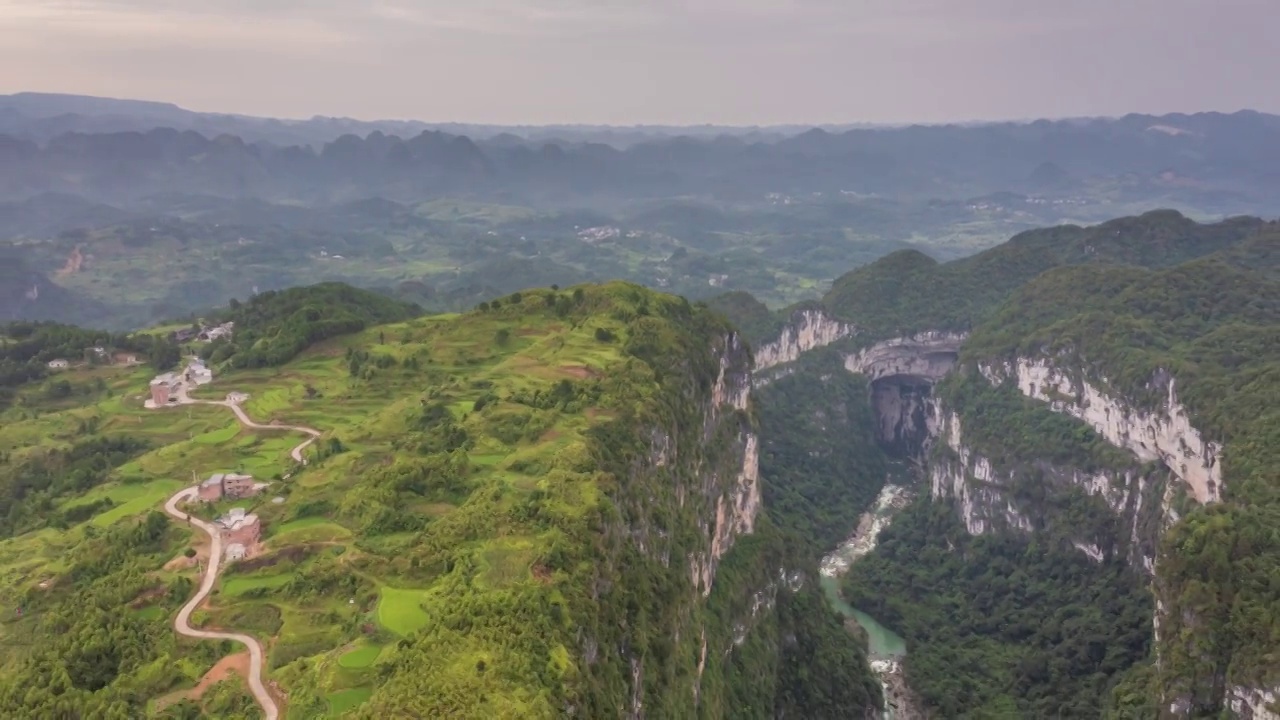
<point x="907" y="291"/>
<point x="460" y="543"/>
<point x="1216" y="329"/>
<point x="1204" y="310"/>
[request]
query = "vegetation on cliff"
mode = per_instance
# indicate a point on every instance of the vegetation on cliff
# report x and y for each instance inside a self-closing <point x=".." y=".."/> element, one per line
<point x="1002" y="625"/>
<point x="1213" y="327"/>
<point x="499" y="522"/>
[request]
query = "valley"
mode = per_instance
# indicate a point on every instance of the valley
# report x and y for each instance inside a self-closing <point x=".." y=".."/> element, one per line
<point x="965" y="494"/>
<point x="560" y="360"/>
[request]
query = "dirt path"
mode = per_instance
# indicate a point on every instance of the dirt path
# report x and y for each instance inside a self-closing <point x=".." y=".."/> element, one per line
<point x="233" y="403"/>
<point x="182" y="623"/>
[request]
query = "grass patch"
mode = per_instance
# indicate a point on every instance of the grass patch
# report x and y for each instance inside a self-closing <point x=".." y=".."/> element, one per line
<point x="311" y="529"/>
<point x="235" y="586"/>
<point x="361" y="657"/>
<point x="344" y="701"/>
<point x="506" y="563"/>
<point x="400" y="611"/>
<point x="217" y="437"/>
<point x="130" y="500"/>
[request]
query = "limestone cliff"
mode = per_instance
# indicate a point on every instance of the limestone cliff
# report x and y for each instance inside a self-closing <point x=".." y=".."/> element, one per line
<point x="1165" y="434"/>
<point x="903" y="372"/>
<point x="928" y="355"/>
<point x="1121" y="512"/>
<point x="807" y="330"/>
<point x="687" y="501"/>
<point x="1254" y="704"/>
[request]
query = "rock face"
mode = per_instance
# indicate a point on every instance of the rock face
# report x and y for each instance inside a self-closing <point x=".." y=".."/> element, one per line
<point x="686" y="503"/>
<point x="903" y="372"/>
<point x="1166" y="435"/>
<point x="987" y="500"/>
<point x="807" y="330"/>
<point x="737" y="503"/>
<point x="927" y="355"/>
<point x="1254" y="704"/>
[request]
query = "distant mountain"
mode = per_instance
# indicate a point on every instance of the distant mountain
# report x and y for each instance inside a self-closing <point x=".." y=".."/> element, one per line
<point x="1228" y="163"/>
<point x="43" y="116"/>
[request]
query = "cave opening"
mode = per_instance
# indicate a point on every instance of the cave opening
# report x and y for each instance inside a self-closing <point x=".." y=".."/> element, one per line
<point x="903" y="408"/>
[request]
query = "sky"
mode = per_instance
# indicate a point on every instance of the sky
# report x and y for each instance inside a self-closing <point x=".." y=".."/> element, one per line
<point x="624" y="62"/>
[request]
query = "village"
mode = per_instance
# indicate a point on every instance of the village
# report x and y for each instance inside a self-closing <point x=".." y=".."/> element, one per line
<point x="239" y="529"/>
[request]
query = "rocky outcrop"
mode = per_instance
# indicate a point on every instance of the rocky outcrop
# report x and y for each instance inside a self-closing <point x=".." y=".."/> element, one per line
<point x="1254" y="704"/>
<point x="736" y="512"/>
<point x="807" y="330"/>
<point x="987" y="500"/>
<point x="1165" y="434"/>
<point x="927" y="355"/>
<point x="903" y="372"/>
<point x="738" y="503"/>
<point x="683" y="504"/>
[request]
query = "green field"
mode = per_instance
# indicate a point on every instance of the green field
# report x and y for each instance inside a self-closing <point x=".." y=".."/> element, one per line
<point x="361" y="657"/>
<point x="240" y="584"/>
<point x="344" y="701"/>
<point x="308" y="530"/>
<point x="400" y="611"/>
<point x="128" y="499"/>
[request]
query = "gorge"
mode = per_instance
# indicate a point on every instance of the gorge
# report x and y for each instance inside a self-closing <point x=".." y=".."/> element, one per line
<point x="1032" y="418"/>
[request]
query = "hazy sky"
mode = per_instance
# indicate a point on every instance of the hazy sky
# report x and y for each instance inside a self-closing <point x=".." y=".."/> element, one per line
<point x="652" y="61"/>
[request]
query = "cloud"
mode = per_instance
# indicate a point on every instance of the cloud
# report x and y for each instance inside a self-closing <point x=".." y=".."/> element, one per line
<point x="650" y="60"/>
<point x="123" y="21"/>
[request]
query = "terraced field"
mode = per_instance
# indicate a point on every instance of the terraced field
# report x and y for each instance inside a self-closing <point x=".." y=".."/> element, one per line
<point x="445" y="438"/>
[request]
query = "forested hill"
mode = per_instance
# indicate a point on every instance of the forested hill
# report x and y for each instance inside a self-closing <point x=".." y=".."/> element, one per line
<point x="1158" y="315"/>
<point x="273" y="327"/>
<point x="908" y="291"/>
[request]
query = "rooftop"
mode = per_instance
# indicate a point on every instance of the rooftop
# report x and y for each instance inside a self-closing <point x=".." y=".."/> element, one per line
<point x="237" y="518"/>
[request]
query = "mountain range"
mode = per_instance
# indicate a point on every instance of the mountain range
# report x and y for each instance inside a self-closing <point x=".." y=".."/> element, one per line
<point x="1222" y="163"/>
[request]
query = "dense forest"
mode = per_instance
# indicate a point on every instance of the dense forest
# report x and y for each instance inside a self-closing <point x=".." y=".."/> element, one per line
<point x="1214" y="328"/>
<point x="908" y="291"/>
<point x="85" y="651"/>
<point x="1002" y="625"/>
<point x="821" y="464"/>
<point x="273" y="327"/>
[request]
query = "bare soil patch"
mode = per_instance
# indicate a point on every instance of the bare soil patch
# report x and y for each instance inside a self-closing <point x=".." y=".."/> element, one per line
<point x="235" y="664"/>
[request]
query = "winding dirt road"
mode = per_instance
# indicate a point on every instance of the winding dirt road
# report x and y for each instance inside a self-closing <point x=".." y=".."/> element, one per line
<point x="182" y="623"/>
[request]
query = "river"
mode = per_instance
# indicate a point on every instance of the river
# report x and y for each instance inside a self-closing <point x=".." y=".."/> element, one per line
<point x="885" y="648"/>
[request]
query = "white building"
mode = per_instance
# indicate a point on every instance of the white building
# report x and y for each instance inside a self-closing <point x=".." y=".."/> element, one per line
<point x="59" y="364"/>
<point x="198" y="373"/>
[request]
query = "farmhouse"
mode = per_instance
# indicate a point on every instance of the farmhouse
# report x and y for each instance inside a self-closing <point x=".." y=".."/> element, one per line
<point x="220" y="485"/>
<point x="240" y="527"/>
<point x="198" y="373"/>
<point x="59" y="364"/>
<point x="163" y="388"/>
